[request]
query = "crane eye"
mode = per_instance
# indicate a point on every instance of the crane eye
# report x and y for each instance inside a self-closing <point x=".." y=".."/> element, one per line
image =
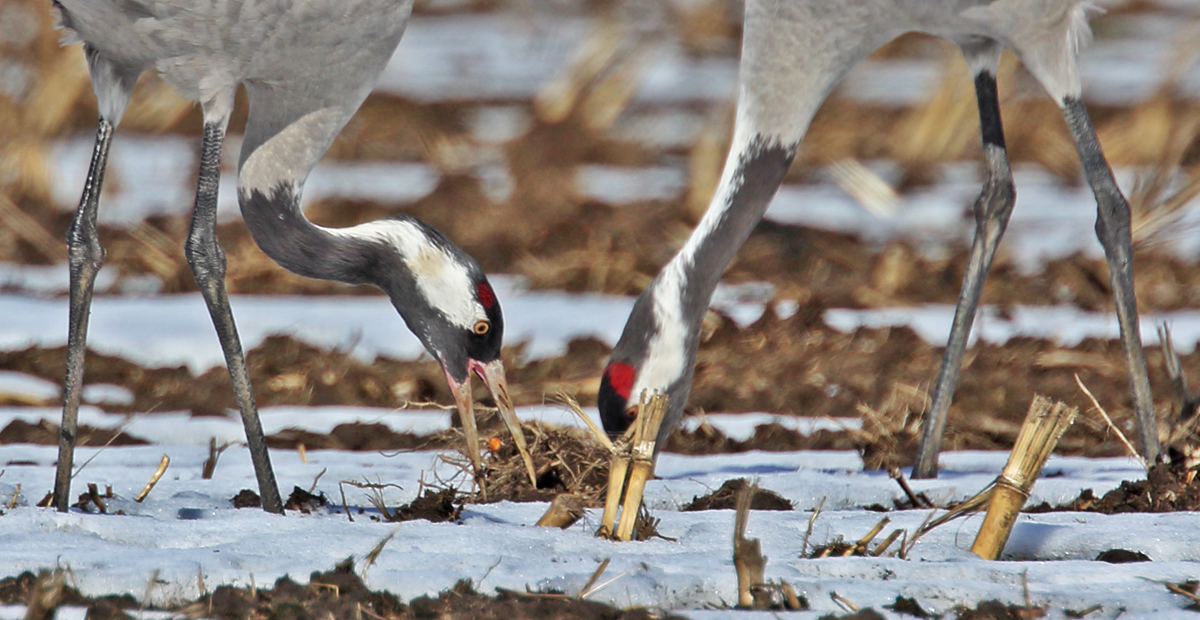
<point x="482" y="327"/>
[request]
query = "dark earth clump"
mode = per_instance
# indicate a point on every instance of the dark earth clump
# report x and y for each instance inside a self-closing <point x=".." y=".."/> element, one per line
<point x="246" y="499"/>
<point x="909" y="607"/>
<point x="995" y="610"/>
<point x="359" y="437"/>
<point x="437" y="506"/>
<point x="862" y="614"/>
<point x="725" y="498"/>
<point x="796" y="365"/>
<point x="1168" y="487"/>
<point x="305" y="502"/>
<point x="45" y="433"/>
<point x="338" y="594"/>
<point x="1122" y="556"/>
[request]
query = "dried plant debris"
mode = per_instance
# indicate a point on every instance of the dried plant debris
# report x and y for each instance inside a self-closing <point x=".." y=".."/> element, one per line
<point x="93" y="500"/>
<point x="565" y="459"/>
<point x="864" y="546"/>
<point x="338" y="594"/>
<point x="725" y="498"/>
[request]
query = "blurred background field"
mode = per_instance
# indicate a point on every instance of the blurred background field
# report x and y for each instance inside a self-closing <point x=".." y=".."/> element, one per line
<point x="571" y="145"/>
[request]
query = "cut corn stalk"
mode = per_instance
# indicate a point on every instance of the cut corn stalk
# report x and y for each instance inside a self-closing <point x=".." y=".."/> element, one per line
<point x="1044" y="424"/>
<point x="645" y="435"/>
<point x="563" y="512"/>
<point x="748" y="559"/>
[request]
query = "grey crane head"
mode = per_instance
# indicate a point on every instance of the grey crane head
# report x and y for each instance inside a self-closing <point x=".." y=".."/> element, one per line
<point x="439" y="290"/>
<point x="656" y="353"/>
<point x="445" y="299"/>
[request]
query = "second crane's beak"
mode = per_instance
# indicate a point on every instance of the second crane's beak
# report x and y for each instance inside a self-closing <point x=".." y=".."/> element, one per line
<point x="493" y="378"/>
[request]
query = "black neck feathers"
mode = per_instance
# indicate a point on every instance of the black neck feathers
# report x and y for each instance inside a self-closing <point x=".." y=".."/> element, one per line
<point x="279" y="227"/>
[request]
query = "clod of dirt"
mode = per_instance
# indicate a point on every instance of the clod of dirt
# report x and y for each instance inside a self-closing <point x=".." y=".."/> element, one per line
<point x="359" y="437"/>
<point x="1168" y="487"/>
<point x="995" y="610"/>
<point x="305" y="502"/>
<point x="18" y="590"/>
<point x="725" y="498"/>
<point x="862" y="614"/>
<point x="769" y="437"/>
<point x="462" y="602"/>
<point x="246" y="499"/>
<point x="434" y="506"/>
<point x="909" y="607"/>
<point x="1122" y="556"/>
<point x="338" y="594"/>
<point x="45" y="433"/>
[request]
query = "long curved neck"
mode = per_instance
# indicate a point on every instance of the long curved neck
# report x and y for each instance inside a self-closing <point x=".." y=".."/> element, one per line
<point x="663" y="329"/>
<point x="755" y="169"/>
<point x="279" y="227"/>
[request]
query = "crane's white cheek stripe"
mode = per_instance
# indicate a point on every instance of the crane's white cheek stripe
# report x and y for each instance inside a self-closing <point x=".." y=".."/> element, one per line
<point x="667" y="354"/>
<point x="441" y="278"/>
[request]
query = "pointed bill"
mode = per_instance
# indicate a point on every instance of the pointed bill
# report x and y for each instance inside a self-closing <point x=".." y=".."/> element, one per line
<point x="492" y="374"/>
<point x="466" y="412"/>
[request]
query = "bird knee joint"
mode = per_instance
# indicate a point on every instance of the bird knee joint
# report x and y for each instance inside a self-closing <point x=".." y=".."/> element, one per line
<point x="83" y="247"/>
<point x="205" y="257"/>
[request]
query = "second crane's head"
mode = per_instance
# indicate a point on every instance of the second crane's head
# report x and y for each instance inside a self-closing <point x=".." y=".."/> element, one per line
<point x="656" y="353"/>
<point x="445" y="299"/>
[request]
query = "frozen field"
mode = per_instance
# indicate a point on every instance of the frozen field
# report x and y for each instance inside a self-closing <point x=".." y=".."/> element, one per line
<point x="188" y="527"/>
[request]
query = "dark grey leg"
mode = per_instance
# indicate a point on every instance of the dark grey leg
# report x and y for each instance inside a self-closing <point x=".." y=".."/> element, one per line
<point x="208" y="265"/>
<point x="85" y="256"/>
<point x="1113" y="229"/>
<point x="992" y="210"/>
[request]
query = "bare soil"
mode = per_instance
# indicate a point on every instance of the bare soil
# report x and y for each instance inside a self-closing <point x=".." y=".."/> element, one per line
<point x="1168" y="487"/>
<point x="338" y="594"/>
<point x="725" y="498"/>
<point x="795" y="365"/>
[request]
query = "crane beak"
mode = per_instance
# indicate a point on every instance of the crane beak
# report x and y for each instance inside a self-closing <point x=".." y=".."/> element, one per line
<point x="465" y="401"/>
<point x="492" y="374"/>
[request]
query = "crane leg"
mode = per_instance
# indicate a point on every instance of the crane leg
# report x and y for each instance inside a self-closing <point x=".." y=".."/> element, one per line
<point x="1113" y="230"/>
<point x="208" y="265"/>
<point x="85" y="255"/>
<point x="992" y="211"/>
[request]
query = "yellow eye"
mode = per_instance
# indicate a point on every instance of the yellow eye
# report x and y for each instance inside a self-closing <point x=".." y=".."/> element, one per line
<point x="482" y="327"/>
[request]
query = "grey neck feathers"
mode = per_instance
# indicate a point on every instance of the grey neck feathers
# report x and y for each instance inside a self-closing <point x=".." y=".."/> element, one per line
<point x="761" y="169"/>
<point x="281" y="230"/>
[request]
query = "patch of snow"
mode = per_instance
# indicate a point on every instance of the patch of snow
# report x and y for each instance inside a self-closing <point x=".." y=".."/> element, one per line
<point x="29" y="387"/>
<point x="107" y="394"/>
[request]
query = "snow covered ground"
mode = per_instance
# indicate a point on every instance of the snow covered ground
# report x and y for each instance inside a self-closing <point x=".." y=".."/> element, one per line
<point x="187" y="527"/>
